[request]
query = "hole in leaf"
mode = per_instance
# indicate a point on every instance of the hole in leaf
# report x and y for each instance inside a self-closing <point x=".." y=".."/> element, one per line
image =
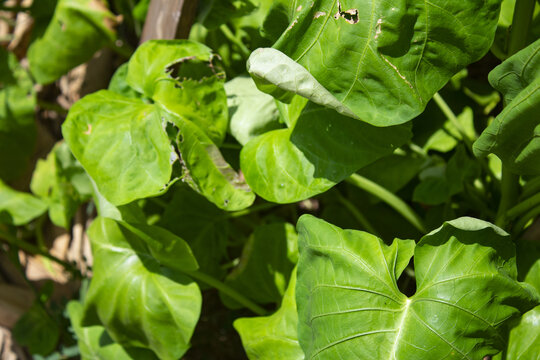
<point x="191" y="68"/>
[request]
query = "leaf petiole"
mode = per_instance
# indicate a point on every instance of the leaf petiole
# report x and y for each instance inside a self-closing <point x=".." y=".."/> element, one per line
<point x="227" y="290"/>
<point x="394" y="201"/>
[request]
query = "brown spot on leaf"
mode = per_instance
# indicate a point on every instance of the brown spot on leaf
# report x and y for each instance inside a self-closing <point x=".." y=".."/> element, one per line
<point x="89" y="131"/>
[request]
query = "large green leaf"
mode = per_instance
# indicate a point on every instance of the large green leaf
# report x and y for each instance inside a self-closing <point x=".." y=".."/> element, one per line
<point x="266" y="264"/>
<point x="208" y="172"/>
<point x="77" y="30"/>
<point x="95" y="344"/>
<point x="514" y="136"/>
<point x="182" y="77"/>
<point x="378" y="61"/>
<point x="321" y="150"/>
<point x="17" y="124"/>
<point x="350" y="306"/>
<point x="140" y="302"/>
<point x="524" y="341"/>
<point x="61" y="181"/>
<point x="122" y="144"/>
<point x="18" y="208"/>
<point x="275" y="336"/>
<point x="252" y="112"/>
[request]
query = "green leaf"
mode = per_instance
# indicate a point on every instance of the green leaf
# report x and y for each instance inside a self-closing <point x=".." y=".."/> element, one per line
<point x="275" y="336"/>
<point x="208" y="172"/>
<point x="350" y="306"/>
<point x="18" y="208"/>
<point x="442" y="181"/>
<point x="514" y="136"/>
<point x="182" y="77"/>
<point x="77" y="30"/>
<point x="122" y="145"/>
<point x="17" y="123"/>
<point x="94" y="342"/>
<point x="266" y="264"/>
<point x="446" y="138"/>
<point x="119" y="85"/>
<point x="37" y="331"/>
<point x="251" y="111"/>
<point x="524" y="341"/>
<point x="382" y="61"/>
<point x="61" y="181"/>
<point x="321" y="150"/>
<point x="201" y="224"/>
<point x="140" y="302"/>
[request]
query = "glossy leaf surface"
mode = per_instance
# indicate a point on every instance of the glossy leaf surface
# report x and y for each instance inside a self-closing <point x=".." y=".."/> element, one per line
<point x="349" y="304"/>
<point x="252" y="112"/>
<point x="19" y="208"/>
<point x="275" y="336"/>
<point x="93" y="341"/>
<point x="141" y="302"/>
<point x="514" y="136"/>
<point x="383" y="61"/>
<point x="524" y="341"/>
<point x="182" y="76"/>
<point x="122" y="145"/>
<point x="208" y="172"/>
<point x="321" y="150"/>
<point x="77" y="30"/>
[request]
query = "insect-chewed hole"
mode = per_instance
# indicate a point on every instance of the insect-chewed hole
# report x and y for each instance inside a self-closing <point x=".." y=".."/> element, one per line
<point x="193" y="69"/>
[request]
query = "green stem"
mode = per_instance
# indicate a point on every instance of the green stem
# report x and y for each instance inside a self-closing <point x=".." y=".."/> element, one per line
<point x="227" y="290"/>
<point x="447" y="111"/>
<point x="251" y="210"/>
<point x="395" y="202"/>
<point x="523" y="13"/>
<point x="358" y="215"/>
<point x="522" y="222"/>
<point x="450" y="115"/>
<point x="531" y="188"/>
<point x="517" y="40"/>
<point x="29" y="248"/>
<point x="523" y="207"/>
<point x="232" y="38"/>
<point x="509" y="196"/>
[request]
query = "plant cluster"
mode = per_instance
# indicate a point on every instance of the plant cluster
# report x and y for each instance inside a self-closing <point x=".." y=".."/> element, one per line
<point x="416" y="123"/>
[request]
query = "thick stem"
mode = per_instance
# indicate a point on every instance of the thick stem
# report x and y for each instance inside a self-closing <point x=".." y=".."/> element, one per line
<point x="509" y="196"/>
<point x="523" y="12"/>
<point x="521" y="21"/>
<point x="227" y="290"/>
<point x="395" y="202"/>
